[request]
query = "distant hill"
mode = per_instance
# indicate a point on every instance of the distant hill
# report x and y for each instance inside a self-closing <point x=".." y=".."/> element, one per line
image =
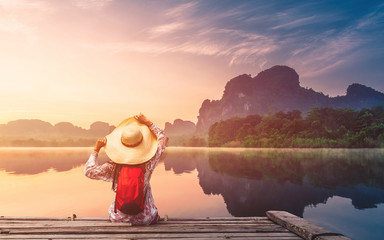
<point x="182" y="133"/>
<point x="179" y="127"/>
<point x="39" y="128"/>
<point x="277" y="89"/>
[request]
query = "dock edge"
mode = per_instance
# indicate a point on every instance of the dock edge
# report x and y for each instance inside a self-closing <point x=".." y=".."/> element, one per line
<point x="302" y="227"/>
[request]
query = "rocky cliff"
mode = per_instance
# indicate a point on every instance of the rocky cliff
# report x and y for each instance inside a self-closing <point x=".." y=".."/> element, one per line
<point x="277" y="89"/>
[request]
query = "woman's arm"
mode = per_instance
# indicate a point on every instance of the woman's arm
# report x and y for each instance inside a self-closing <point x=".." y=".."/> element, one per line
<point x="162" y="139"/>
<point x="160" y="134"/>
<point x="95" y="171"/>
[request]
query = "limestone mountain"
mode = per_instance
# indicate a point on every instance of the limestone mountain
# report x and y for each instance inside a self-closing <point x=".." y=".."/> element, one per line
<point x="66" y="129"/>
<point x="277" y="89"/>
<point x="179" y="127"/>
<point x="98" y="129"/>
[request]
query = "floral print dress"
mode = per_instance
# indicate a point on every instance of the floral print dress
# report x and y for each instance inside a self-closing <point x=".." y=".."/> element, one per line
<point x="105" y="172"/>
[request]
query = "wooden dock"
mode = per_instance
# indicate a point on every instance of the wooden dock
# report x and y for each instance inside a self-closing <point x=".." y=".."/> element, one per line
<point x="277" y="225"/>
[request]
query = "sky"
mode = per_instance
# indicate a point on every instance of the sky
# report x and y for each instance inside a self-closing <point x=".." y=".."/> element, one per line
<point x="83" y="61"/>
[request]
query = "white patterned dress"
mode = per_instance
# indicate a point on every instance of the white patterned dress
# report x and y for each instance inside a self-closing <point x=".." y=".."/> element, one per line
<point x="106" y="172"/>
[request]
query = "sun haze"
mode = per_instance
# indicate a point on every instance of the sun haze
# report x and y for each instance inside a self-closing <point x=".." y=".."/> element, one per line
<point x="87" y="60"/>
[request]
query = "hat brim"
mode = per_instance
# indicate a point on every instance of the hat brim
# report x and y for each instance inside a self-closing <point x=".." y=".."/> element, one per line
<point x="121" y="154"/>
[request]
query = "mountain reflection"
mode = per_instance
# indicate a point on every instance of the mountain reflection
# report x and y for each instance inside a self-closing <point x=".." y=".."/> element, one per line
<point x="28" y="161"/>
<point x="255" y="181"/>
<point x="250" y="181"/>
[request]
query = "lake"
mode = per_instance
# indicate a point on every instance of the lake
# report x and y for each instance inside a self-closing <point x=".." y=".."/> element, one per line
<point x="339" y="189"/>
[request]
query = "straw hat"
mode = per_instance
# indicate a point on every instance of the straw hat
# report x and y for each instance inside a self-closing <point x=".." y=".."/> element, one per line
<point x="131" y="142"/>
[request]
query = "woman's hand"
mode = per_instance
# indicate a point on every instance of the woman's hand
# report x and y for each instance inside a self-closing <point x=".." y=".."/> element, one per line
<point x="99" y="144"/>
<point x="143" y="119"/>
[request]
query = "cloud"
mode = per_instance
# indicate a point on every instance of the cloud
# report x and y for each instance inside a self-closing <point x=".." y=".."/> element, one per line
<point x="237" y="46"/>
<point x="324" y="53"/>
<point x="332" y="49"/>
<point x="20" y="17"/>
<point x="22" y="4"/>
<point x="91" y="4"/>
<point x="371" y="19"/>
<point x="180" y="10"/>
<point x="166" y="28"/>
<point x="296" y="23"/>
<point x="185" y="30"/>
<point x="308" y="37"/>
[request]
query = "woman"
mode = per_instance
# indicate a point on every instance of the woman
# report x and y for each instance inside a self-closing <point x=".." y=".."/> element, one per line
<point x="134" y="142"/>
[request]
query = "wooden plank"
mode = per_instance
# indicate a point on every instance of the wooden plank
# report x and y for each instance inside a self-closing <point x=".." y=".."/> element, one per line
<point x="142" y="229"/>
<point x="6" y="218"/>
<point x="301" y="227"/>
<point x="124" y="225"/>
<point x="218" y="222"/>
<point x="152" y="238"/>
<point x="176" y="228"/>
<point x="100" y="223"/>
<point x="28" y="224"/>
<point x="61" y="223"/>
<point x="160" y="222"/>
<point x="220" y="219"/>
<point x="287" y="235"/>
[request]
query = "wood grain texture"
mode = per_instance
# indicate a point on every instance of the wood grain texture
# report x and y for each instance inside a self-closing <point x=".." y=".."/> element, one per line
<point x="173" y="228"/>
<point x="301" y="227"/>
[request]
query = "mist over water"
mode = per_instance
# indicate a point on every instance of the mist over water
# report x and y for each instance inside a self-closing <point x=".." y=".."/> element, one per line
<point x="331" y="187"/>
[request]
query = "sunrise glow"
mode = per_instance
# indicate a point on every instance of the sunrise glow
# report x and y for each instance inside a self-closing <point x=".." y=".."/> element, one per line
<point x="104" y="60"/>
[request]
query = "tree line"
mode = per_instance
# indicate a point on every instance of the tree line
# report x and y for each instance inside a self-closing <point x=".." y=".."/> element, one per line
<point x="321" y="127"/>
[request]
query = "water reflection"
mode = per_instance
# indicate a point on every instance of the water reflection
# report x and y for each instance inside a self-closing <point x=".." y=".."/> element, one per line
<point x="322" y="185"/>
<point x="255" y="181"/>
<point x="30" y="161"/>
<point x="251" y="182"/>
